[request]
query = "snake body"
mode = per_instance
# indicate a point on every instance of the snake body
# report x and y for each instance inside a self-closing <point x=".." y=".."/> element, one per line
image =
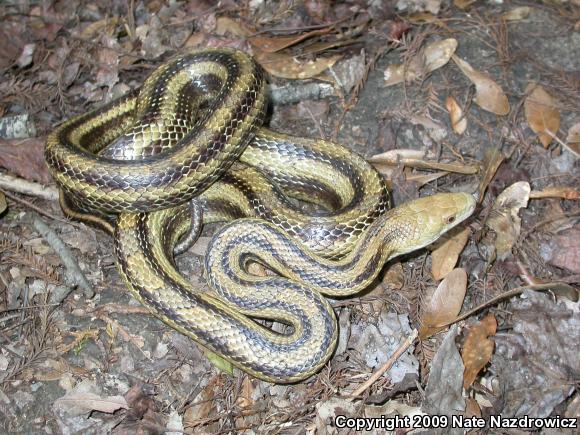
<point x="193" y="130"/>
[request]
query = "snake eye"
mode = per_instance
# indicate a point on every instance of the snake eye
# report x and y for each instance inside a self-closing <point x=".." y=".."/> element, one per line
<point x="450" y="219"/>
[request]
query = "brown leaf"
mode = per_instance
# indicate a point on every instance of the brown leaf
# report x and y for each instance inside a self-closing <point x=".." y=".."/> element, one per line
<point x="245" y="400"/>
<point x="456" y="115"/>
<point x="573" y="139"/>
<point x="422" y="179"/>
<point x="488" y="94"/>
<point x="106" y="26"/>
<point x="564" y="250"/>
<point x="3" y="203"/>
<point x="463" y="4"/>
<point x="225" y="25"/>
<point x="287" y="67"/>
<point x="517" y="14"/>
<point x="394" y="277"/>
<point x="427" y="18"/>
<point x="541" y="113"/>
<point x="478" y="348"/>
<point x="270" y="44"/>
<point x="12" y="44"/>
<point x="564" y="192"/>
<point x="396" y="157"/>
<point x="574" y="134"/>
<point x="492" y="160"/>
<point x="203" y="406"/>
<point x="504" y="219"/>
<point x="448" y="248"/>
<point x="25" y="158"/>
<point x="443" y="304"/>
<point x="433" y="56"/>
<point x="84" y="401"/>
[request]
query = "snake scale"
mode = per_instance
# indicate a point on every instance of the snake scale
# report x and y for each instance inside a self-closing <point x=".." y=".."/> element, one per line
<point x="144" y="166"/>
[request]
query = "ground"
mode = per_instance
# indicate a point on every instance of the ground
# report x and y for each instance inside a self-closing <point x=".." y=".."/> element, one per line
<point x="494" y="304"/>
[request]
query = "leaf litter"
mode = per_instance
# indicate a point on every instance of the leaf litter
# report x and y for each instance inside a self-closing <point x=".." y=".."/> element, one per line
<point x="399" y="102"/>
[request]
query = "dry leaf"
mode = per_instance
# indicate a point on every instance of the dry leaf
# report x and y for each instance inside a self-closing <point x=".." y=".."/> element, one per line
<point x="106" y="26"/>
<point x="563" y="250"/>
<point x="394" y="157"/>
<point x="444" y="304"/>
<point x="257" y="269"/>
<point x="287" y="67"/>
<point x="87" y="402"/>
<point x="427" y="18"/>
<point x="478" y="348"/>
<point x="574" y="134"/>
<point x="413" y="159"/>
<point x="432" y="57"/>
<point x="517" y="14"/>
<point x="458" y="119"/>
<point x="463" y="4"/>
<point x="3" y="204"/>
<point x="25" y="158"/>
<point x="492" y="160"/>
<point x="203" y="405"/>
<point x="573" y="139"/>
<point x="488" y="94"/>
<point x="244" y="399"/>
<point x="394" y="277"/>
<point x="422" y="179"/>
<point x="556" y="192"/>
<point x="541" y="113"/>
<point x="504" y="219"/>
<point x="200" y="246"/>
<point x="225" y="25"/>
<point x="273" y="44"/>
<point x="472" y="408"/>
<point x="447" y="251"/>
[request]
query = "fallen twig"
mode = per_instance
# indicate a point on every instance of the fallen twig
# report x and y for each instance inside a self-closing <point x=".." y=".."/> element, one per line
<point x="386" y="366"/>
<point x="20" y="185"/>
<point x="73" y="274"/>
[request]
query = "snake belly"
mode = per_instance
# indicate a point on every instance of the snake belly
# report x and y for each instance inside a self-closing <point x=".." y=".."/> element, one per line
<point x="176" y="138"/>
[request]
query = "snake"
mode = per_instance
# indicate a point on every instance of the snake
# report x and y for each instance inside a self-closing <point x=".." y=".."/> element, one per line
<point x="189" y="147"/>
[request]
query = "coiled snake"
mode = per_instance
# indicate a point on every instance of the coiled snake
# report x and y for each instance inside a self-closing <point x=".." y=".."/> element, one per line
<point x="193" y="131"/>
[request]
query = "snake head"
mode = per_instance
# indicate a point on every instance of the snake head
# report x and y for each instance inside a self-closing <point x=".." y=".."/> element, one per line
<point x="419" y="223"/>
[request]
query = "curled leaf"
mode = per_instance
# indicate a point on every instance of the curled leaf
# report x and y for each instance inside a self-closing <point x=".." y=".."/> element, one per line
<point x="463" y="4"/>
<point x="541" y="113"/>
<point x="447" y="251"/>
<point x="488" y="94"/>
<point x="456" y="115"/>
<point x="504" y="219"/>
<point x="270" y="44"/>
<point x="3" y="204"/>
<point x="478" y="348"/>
<point x="287" y="67"/>
<point x="444" y="304"/>
<point x="85" y="402"/>
<point x="517" y="14"/>
<point x="573" y="139"/>
<point x="434" y="56"/>
<point x="574" y="134"/>
<point x="491" y="162"/>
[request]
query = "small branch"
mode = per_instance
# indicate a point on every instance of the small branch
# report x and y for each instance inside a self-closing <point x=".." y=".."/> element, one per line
<point x="73" y="273"/>
<point x="386" y="366"/>
<point x="26" y="187"/>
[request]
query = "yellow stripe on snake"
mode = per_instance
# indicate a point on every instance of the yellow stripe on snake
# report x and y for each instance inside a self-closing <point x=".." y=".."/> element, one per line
<point x="143" y="167"/>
